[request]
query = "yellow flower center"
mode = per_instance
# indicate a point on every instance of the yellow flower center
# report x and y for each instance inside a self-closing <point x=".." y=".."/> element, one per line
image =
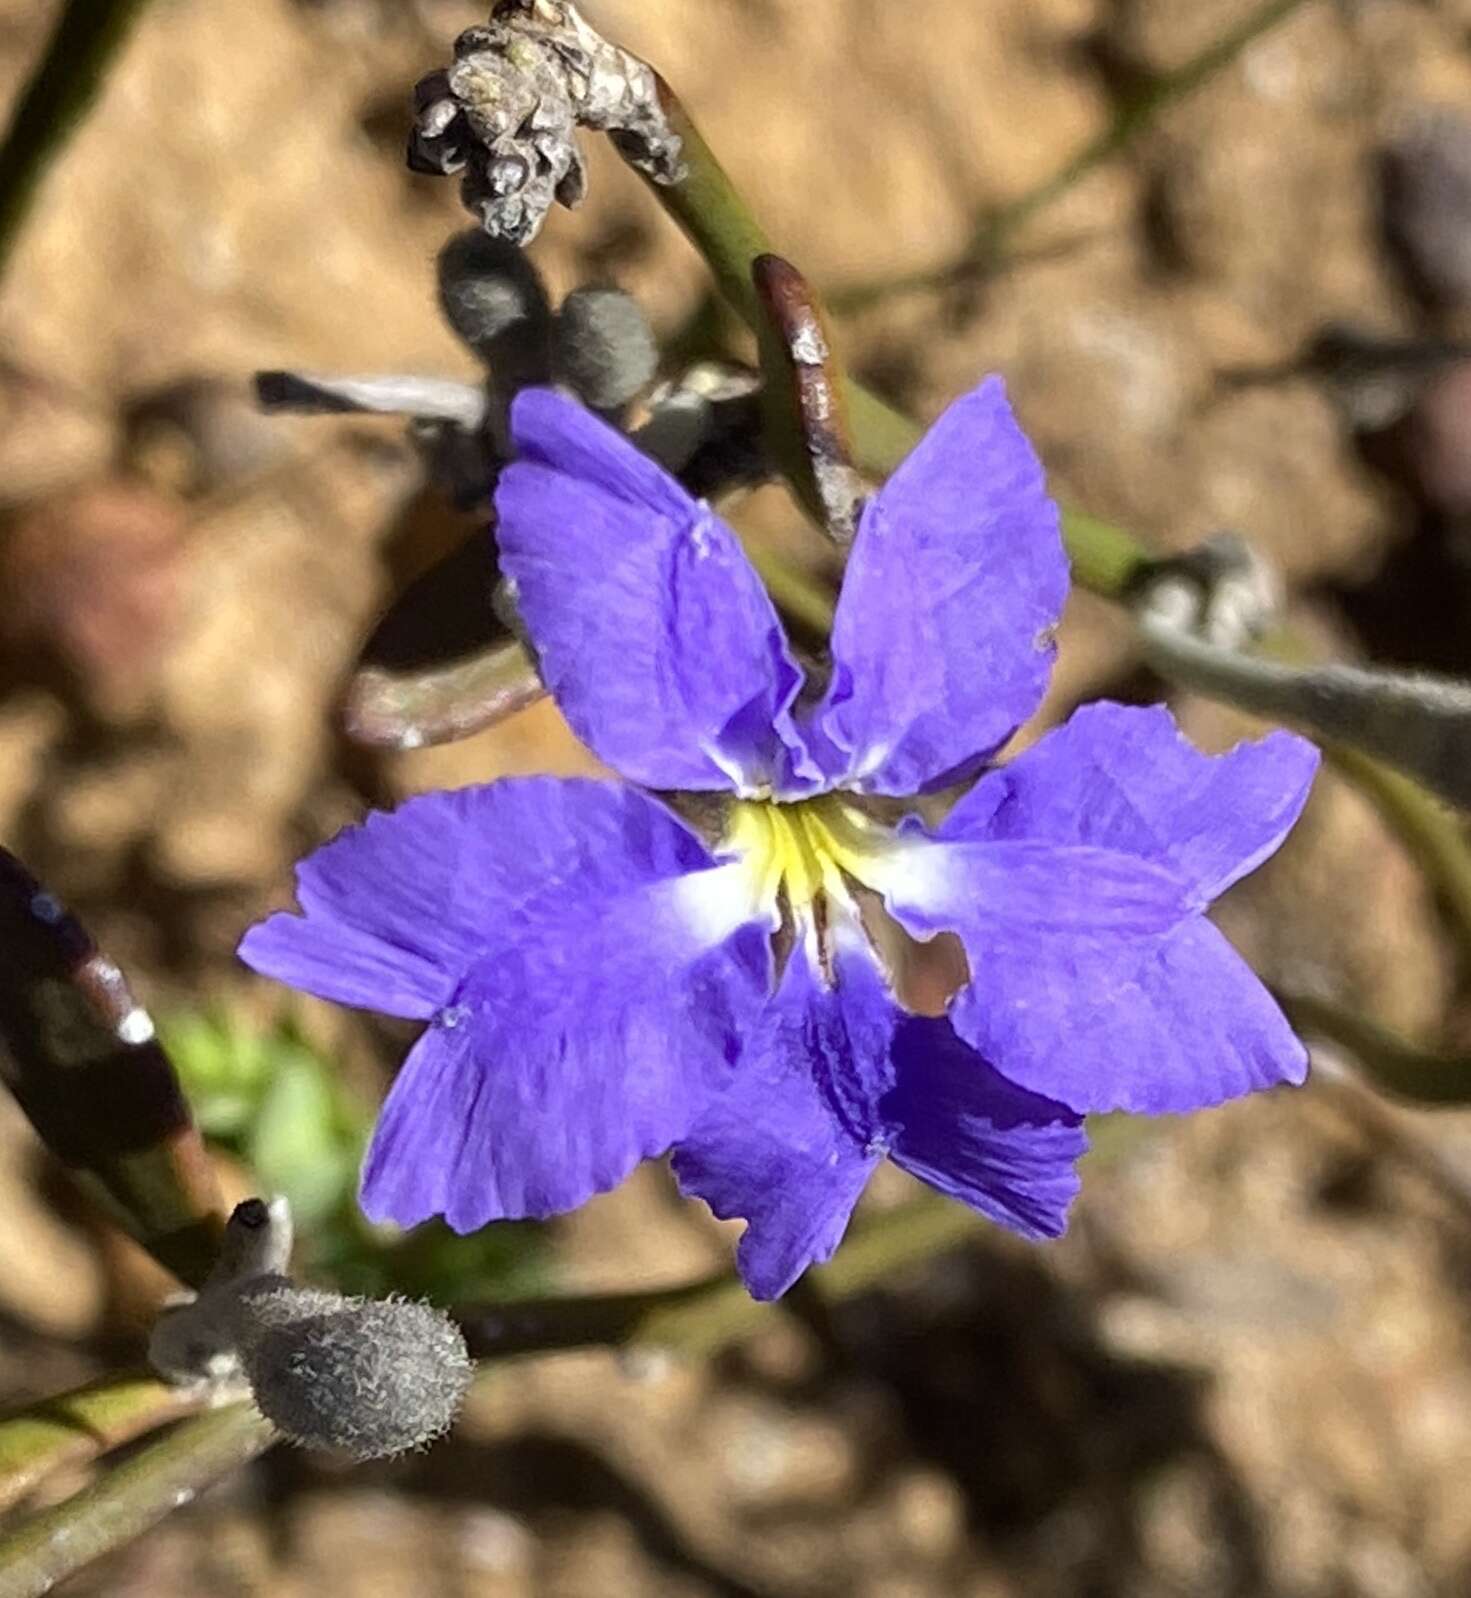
<point x="805" y="849"/>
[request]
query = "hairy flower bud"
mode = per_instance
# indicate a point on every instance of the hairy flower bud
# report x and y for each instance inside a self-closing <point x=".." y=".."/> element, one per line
<point x="369" y="1377"/>
<point x="604" y="348"/>
<point x="489" y="291"/>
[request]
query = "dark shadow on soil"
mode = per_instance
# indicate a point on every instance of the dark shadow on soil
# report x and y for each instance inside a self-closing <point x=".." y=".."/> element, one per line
<point x="1003" y="1381"/>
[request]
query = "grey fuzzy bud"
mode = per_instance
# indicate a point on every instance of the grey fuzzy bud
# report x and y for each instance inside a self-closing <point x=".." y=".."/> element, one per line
<point x="706" y="429"/>
<point x="489" y="290"/>
<point x="603" y="347"/>
<point x="368" y="1377"/>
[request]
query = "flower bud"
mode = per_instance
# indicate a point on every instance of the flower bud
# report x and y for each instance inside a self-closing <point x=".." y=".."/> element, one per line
<point x="603" y="347"/>
<point x="368" y="1377"/>
<point x="489" y="291"/>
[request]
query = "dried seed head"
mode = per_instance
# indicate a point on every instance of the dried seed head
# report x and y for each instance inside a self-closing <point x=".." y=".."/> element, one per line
<point x="366" y="1376"/>
<point x="603" y="347"/>
<point x="505" y="113"/>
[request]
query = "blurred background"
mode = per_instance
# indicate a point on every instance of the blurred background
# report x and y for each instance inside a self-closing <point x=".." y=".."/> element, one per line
<point x="1247" y="1370"/>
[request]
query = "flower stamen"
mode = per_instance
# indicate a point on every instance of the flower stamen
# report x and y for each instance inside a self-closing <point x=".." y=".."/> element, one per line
<point x="805" y="852"/>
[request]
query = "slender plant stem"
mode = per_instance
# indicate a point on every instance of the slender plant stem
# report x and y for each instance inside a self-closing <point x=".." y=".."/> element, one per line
<point x="127" y="1501"/>
<point x="1433" y="833"/>
<point x="720" y="225"/>
<point x="75" y="1427"/>
<point x="799" y="596"/>
<point x="1391" y="1062"/>
<point x="718" y="222"/>
<point x="700" y="1317"/>
<point x="1107" y="560"/>
<point x="87" y="36"/>
<point x="995" y="230"/>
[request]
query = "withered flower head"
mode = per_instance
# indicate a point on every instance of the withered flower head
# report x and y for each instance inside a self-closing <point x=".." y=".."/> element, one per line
<point x="505" y="114"/>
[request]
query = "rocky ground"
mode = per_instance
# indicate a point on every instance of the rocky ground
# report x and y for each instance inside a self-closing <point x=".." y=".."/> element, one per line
<point x="1248" y="1369"/>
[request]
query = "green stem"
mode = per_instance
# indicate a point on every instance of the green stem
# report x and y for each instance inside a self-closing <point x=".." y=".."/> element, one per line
<point x="127" y="1501"/>
<point x="1433" y="833"/>
<point x="87" y="36"/>
<point x="1105" y="559"/>
<point x="710" y="210"/>
<point x="996" y="228"/>
<point x="708" y="207"/>
<point x="1390" y="1061"/>
<point x="75" y="1427"/>
<point x="801" y="597"/>
<point x="700" y="1317"/>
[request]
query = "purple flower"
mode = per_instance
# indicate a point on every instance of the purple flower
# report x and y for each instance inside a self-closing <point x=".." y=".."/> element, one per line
<point x="605" y="983"/>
